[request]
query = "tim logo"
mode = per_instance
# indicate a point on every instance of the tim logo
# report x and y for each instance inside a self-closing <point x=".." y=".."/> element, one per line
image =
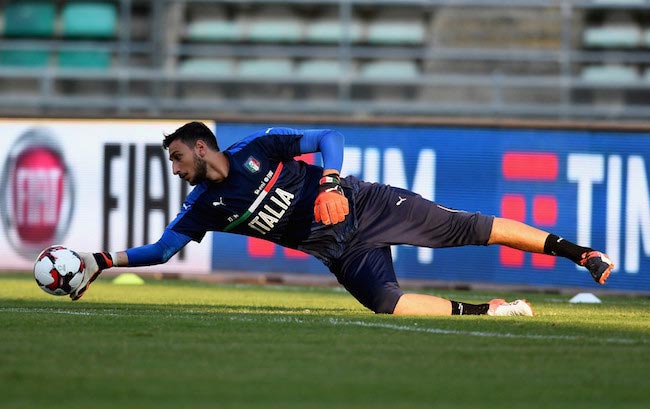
<point x="37" y="193"/>
<point x="529" y="167"/>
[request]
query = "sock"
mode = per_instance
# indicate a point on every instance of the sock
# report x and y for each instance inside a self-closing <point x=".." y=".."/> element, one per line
<point x="557" y="246"/>
<point x="460" y="308"/>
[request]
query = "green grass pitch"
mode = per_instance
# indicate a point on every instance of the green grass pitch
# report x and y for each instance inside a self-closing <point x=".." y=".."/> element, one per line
<point x="180" y="344"/>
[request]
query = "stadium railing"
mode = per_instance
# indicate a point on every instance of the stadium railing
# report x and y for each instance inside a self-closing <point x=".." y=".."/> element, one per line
<point x="351" y="57"/>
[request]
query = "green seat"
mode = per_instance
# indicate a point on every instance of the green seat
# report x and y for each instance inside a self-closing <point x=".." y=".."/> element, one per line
<point x="265" y="68"/>
<point x="29" y="19"/>
<point x="607" y="74"/>
<point x="332" y="31"/>
<point x="325" y="69"/>
<point x="387" y="32"/>
<point x="389" y="70"/>
<point x="271" y="31"/>
<point x="84" y="59"/>
<point x="614" y="36"/>
<point x="24" y="58"/>
<point x="213" y="30"/>
<point x="89" y="20"/>
<point x="206" y="67"/>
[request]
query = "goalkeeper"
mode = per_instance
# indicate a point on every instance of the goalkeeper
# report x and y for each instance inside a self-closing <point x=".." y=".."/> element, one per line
<point x="256" y="188"/>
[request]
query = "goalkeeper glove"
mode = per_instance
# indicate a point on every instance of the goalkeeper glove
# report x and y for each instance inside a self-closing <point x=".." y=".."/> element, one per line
<point x="94" y="263"/>
<point x="331" y="205"/>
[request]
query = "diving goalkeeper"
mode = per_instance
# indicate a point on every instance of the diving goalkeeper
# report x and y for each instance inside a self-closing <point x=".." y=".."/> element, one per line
<point x="256" y="188"/>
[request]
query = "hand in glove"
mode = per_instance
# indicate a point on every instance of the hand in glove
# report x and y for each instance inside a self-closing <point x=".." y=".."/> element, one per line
<point x="331" y="205"/>
<point x="94" y="264"/>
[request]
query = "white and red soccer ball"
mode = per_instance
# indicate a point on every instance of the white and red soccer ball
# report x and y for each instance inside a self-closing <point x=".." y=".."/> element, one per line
<point x="58" y="270"/>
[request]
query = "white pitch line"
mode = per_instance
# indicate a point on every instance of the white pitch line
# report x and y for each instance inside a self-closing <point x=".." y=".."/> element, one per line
<point x="441" y="331"/>
<point x="58" y="311"/>
<point x="340" y="322"/>
<point x="486" y="334"/>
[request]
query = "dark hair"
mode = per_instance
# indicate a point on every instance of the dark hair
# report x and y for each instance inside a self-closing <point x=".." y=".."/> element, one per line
<point x="190" y="133"/>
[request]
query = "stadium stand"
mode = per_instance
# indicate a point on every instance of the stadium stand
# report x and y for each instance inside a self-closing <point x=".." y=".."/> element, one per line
<point x="93" y="57"/>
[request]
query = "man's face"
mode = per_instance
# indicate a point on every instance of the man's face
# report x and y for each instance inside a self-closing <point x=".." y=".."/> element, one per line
<point x="186" y="163"/>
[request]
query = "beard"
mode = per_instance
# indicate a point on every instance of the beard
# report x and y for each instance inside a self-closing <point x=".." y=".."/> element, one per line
<point x="200" y="171"/>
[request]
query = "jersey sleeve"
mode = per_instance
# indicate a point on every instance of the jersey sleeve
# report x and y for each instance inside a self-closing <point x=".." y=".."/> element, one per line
<point x="159" y="252"/>
<point x="188" y="222"/>
<point x="326" y="141"/>
<point x="287" y="143"/>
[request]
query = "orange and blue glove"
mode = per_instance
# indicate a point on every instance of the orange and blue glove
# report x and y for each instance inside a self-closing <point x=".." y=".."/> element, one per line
<point x="331" y="205"/>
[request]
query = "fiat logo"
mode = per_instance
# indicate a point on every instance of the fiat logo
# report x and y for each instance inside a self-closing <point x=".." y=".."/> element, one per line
<point x="37" y="193"/>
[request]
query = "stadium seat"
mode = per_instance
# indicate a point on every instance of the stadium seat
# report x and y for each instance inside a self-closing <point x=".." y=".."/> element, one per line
<point x="89" y="20"/>
<point x="389" y="70"/>
<point x="28" y="19"/>
<point x="613" y="36"/>
<point x="274" y="30"/>
<point x="608" y="74"/>
<point x="396" y="32"/>
<point x="265" y="68"/>
<point x="24" y="58"/>
<point x="214" y="30"/>
<point x="211" y="67"/>
<point x="325" y="69"/>
<point x="332" y="31"/>
<point x="84" y="59"/>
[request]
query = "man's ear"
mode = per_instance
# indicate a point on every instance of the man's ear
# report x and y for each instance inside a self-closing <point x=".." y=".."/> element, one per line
<point x="200" y="148"/>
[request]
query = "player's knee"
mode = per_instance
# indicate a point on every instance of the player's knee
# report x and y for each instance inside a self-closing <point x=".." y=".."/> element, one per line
<point x="386" y="299"/>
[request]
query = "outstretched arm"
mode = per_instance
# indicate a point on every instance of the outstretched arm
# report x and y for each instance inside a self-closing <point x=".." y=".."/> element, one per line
<point x="157" y="253"/>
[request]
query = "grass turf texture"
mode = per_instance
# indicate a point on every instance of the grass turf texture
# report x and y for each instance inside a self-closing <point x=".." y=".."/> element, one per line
<point x="171" y="344"/>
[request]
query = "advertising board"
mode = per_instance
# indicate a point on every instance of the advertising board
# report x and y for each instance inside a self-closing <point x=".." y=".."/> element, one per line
<point x="590" y="187"/>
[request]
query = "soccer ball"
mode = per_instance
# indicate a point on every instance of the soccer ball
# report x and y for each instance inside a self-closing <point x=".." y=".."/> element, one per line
<point x="58" y="270"/>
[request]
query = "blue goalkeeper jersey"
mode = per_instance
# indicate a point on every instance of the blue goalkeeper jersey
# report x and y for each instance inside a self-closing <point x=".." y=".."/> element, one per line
<point x="267" y="194"/>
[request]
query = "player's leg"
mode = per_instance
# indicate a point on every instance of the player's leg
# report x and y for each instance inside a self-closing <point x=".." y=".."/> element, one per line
<point x="391" y="215"/>
<point x="521" y="236"/>
<point x="370" y="277"/>
<point x="422" y="304"/>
